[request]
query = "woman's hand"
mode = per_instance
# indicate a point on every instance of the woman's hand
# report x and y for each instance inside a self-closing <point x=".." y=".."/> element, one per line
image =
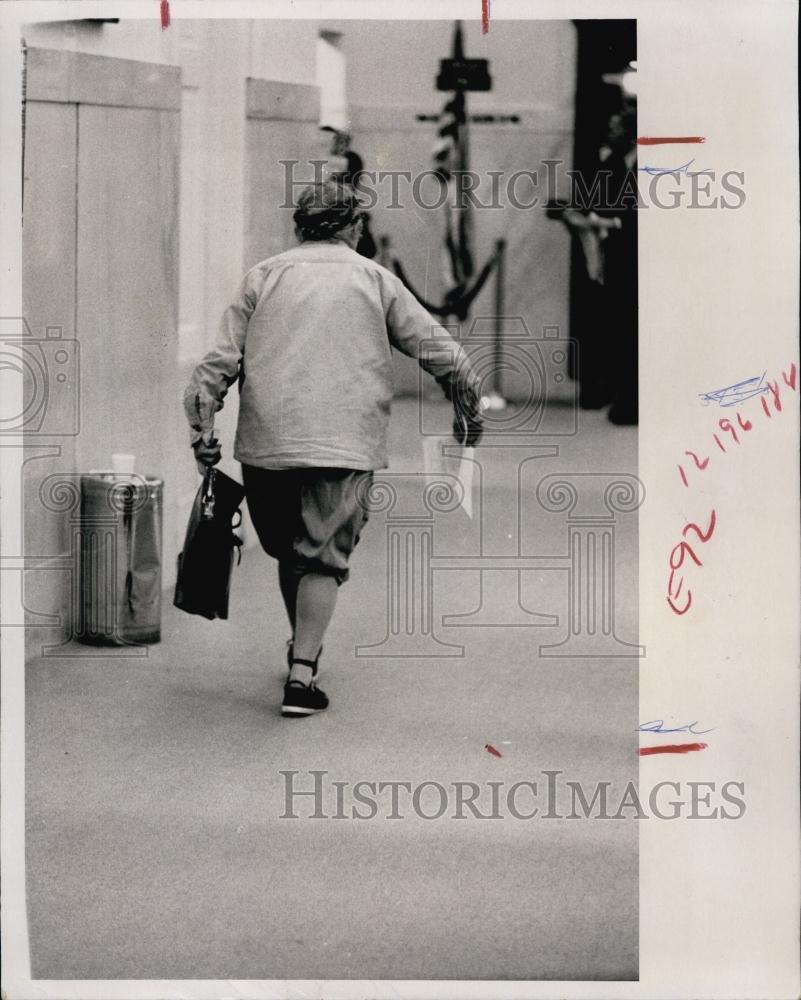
<point x="207" y="453"/>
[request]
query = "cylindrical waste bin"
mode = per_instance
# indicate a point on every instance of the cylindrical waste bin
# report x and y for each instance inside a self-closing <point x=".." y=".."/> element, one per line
<point x="120" y="560"/>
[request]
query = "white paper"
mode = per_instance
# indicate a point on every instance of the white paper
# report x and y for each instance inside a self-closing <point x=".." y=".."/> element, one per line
<point x="443" y="458"/>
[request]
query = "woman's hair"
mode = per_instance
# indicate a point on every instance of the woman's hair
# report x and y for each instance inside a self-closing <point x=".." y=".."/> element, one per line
<point x="326" y="208"/>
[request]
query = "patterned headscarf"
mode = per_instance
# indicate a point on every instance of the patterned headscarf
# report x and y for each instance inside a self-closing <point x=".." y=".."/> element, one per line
<point x="323" y="209"/>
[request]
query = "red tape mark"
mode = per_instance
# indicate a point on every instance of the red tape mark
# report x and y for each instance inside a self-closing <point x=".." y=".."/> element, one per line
<point x="491" y="749"/>
<point x="165" y="14"/>
<point x="673" y="748"/>
<point x="668" y="140"/>
<point x="485" y="16"/>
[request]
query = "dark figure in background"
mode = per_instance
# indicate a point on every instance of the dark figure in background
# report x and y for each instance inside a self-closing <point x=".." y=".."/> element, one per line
<point x="347" y="169"/>
<point x="606" y="230"/>
<point x="620" y="263"/>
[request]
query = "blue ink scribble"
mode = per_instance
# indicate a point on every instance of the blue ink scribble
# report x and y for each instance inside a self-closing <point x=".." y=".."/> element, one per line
<point x="658" y="726"/>
<point x="738" y="393"/>
<point x="683" y="169"/>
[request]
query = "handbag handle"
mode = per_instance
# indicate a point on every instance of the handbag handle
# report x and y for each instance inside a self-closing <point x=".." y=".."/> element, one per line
<point x="207" y="499"/>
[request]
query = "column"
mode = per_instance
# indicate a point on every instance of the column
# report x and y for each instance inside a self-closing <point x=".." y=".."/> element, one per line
<point x="410" y="502"/>
<point x="591" y="501"/>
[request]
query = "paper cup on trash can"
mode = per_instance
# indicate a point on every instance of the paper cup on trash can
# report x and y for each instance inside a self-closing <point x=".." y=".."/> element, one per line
<point x="122" y="464"/>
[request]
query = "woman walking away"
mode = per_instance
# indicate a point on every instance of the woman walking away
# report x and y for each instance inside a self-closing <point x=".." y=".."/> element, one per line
<point x="309" y="338"/>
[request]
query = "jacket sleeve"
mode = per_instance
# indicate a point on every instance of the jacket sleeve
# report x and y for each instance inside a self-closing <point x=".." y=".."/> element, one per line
<point x="414" y="332"/>
<point x="219" y="369"/>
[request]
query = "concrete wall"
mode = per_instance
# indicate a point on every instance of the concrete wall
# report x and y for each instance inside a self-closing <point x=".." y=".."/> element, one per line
<point x="102" y="145"/>
<point x="282" y="124"/>
<point x="192" y="178"/>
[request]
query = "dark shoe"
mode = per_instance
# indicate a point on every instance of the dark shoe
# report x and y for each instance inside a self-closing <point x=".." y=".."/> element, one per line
<point x="594" y="399"/>
<point x="290" y="649"/>
<point x="302" y="699"/>
<point x="622" y="416"/>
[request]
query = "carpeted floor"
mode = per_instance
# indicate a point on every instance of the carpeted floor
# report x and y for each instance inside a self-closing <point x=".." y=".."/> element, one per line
<point x="155" y="843"/>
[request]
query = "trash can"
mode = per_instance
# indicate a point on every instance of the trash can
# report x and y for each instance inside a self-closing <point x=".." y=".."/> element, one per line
<point x="120" y="560"/>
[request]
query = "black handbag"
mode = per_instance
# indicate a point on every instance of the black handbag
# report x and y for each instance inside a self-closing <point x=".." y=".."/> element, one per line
<point x="207" y="559"/>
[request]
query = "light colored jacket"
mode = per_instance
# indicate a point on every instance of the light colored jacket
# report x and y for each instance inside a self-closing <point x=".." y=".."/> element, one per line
<point x="309" y="336"/>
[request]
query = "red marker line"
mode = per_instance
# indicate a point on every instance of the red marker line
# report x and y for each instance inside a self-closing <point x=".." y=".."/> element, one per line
<point x="673" y="748"/>
<point x="165" y="14"/>
<point x="491" y="749"/>
<point x="668" y="140"/>
<point x="485" y="16"/>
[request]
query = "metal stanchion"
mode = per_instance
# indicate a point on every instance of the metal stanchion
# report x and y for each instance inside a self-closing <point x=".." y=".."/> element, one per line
<point x="496" y="401"/>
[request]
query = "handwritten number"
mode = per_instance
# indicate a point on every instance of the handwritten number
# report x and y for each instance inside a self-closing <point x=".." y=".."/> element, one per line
<point x="680" y="551"/>
<point x="692" y="526"/>
<point x="686" y="607"/>
<point x="670" y="584"/>
<point x="774" y="391"/>
<point x="726" y="425"/>
<point x="677" y="557"/>
<point x="683" y="547"/>
<point x="698" y="463"/>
